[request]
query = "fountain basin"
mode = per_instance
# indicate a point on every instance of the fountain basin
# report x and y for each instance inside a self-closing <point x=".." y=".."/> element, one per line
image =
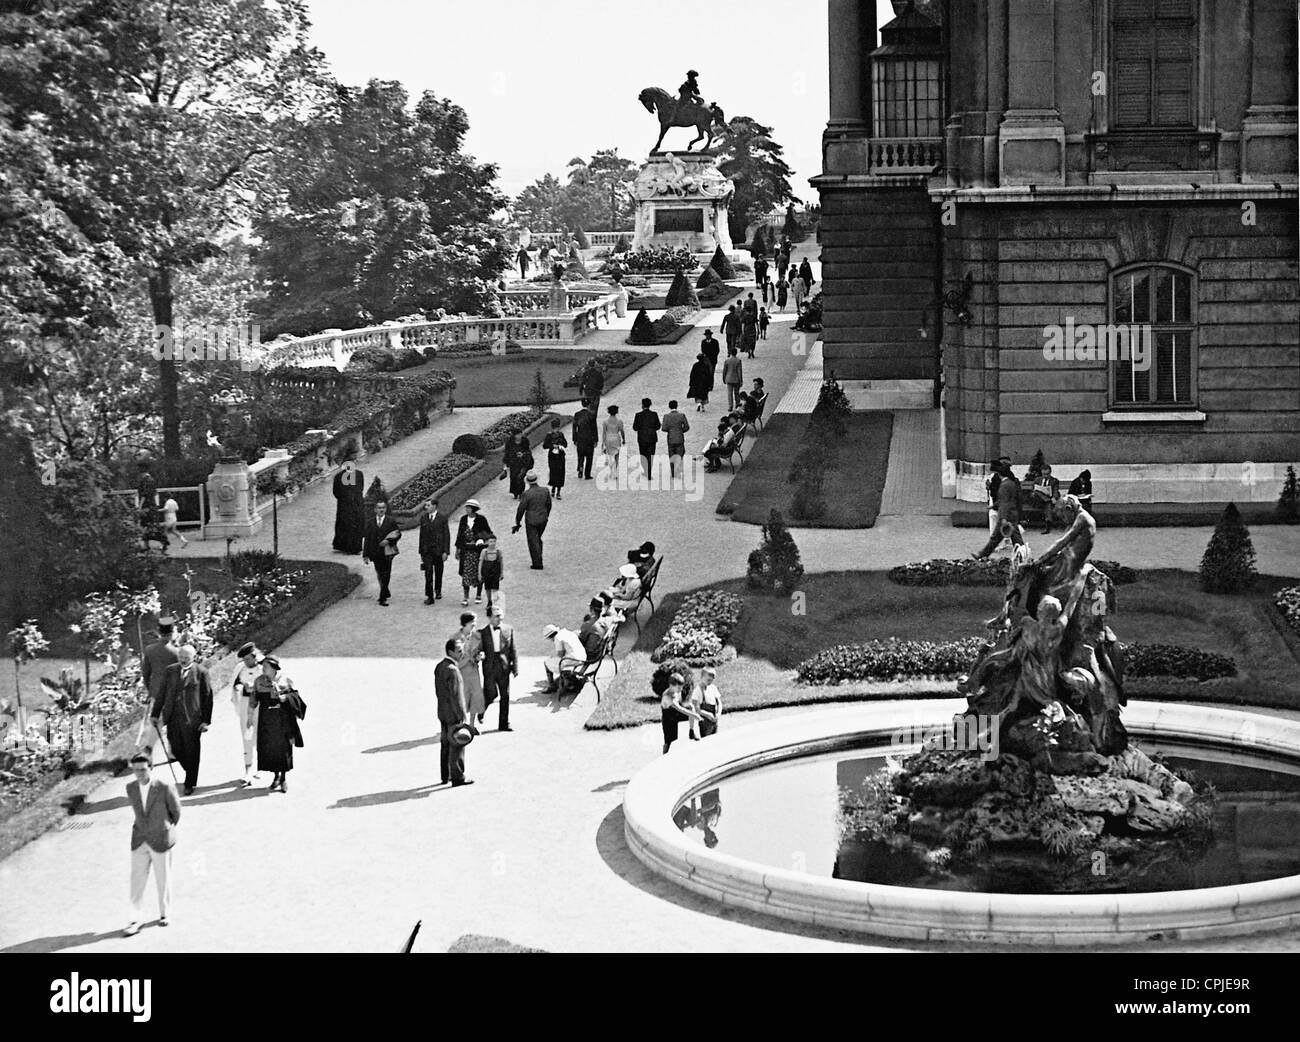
<point x="915" y="913"/>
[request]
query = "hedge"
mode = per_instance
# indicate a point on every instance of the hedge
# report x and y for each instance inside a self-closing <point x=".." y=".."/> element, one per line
<point x="419" y="488"/>
<point x="909" y="659"/>
<point x="987" y="572"/>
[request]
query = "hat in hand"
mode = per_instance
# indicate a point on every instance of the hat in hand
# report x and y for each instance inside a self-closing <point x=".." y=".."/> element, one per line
<point x="462" y="735"/>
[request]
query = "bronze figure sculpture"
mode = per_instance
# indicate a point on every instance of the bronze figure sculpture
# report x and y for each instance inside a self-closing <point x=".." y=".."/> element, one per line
<point x="687" y="109"/>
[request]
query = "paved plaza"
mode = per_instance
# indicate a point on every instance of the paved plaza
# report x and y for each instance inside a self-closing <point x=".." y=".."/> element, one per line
<point x="365" y="843"/>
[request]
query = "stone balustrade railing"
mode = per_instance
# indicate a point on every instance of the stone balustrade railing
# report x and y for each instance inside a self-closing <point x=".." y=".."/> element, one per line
<point x="335" y="346"/>
<point x="918" y="155"/>
<point x="596" y="239"/>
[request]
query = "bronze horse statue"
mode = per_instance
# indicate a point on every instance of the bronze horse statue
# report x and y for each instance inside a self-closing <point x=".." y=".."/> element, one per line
<point x="672" y="113"/>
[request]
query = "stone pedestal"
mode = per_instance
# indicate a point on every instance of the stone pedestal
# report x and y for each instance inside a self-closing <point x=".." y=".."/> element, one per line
<point x="231" y="499"/>
<point x="559" y="300"/>
<point x="681" y="202"/>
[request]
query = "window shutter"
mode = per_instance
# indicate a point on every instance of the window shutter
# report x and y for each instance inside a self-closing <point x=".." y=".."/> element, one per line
<point x="1173" y="83"/>
<point x="1132" y="45"/>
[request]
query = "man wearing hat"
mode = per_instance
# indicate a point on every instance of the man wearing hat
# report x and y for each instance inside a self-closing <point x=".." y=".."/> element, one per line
<point x="245" y="700"/>
<point x="157" y="657"/>
<point x="569" y="655"/>
<point x="453" y="713"/>
<point x="186" y="712"/>
<point x="534" y="511"/>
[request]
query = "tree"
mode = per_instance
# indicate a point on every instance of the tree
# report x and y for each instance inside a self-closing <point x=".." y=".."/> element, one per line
<point x="749" y="157"/>
<point x="539" y="395"/>
<point x="610" y="174"/>
<point x="681" y="293"/>
<point x="1288" y="503"/>
<point x="386" y="218"/>
<point x="721" y="263"/>
<point x="173" y="111"/>
<point x="536" y="206"/>
<point x="775" y="565"/>
<point x="1229" y="562"/>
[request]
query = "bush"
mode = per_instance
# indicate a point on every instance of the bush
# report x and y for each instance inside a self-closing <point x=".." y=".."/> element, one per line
<point x="656" y="258"/>
<point x="1288" y="603"/>
<point x="775" y="565"/>
<point x="1169" y="660"/>
<point x="709" y="278"/>
<point x="700" y="628"/>
<point x="681" y="293"/>
<point x="539" y="395"/>
<point x="809" y="502"/>
<point x="248" y="563"/>
<point x="504" y="429"/>
<point x="1229" y="562"/>
<point x="987" y="572"/>
<point x="622" y="246"/>
<point x="659" y="680"/>
<point x="1288" y="503"/>
<point x="760" y="246"/>
<point x="372" y="359"/>
<point x="469" y="445"/>
<point x="409" y="358"/>
<point x="721" y="263"/>
<point x="642" y="329"/>
<point x="411" y="493"/>
<point x="375" y="493"/>
<point x="793" y="229"/>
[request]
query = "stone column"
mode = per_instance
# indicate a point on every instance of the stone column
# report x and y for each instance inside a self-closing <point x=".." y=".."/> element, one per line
<point x="1032" y="136"/>
<point x="851" y="28"/>
<point x="1268" y="148"/>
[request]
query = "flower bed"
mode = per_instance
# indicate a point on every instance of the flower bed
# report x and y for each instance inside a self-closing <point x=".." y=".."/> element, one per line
<point x="988" y="572"/>
<point x="1287" y="602"/>
<point x="700" y="628"/>
<point x="419" y="488"/>
<point x="909" y="659"/>
<point x="503" y="430"/>
<point x="659" y="259"/>
<point x="606" y="360"/>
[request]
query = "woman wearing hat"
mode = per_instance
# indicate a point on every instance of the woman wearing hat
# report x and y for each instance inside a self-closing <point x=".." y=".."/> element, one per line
<point x="626" y="591"/>
<point x="471" y="537"/>
<point x="279" y="708"/>
<point x="518" y="461"/>
<point x="467" y="660"/>
<point x="555" y="445"/>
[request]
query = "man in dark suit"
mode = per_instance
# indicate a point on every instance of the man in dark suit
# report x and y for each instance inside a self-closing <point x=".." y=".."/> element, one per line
<point x="584" y="438"/>
<point x="380" y="546"/>
<point x="435" y="546"/>
<point x="156" y="810"/>
<point x="1008" y="510"/>
<point x="646" y="425"/>
<point x="591" y="384"/>
<point x="533" y="513"/>
<point x="157" y="657"/>
<point x="452" y="712"/>
<point x="186" y="712"/>
<point x="500" y="663"/>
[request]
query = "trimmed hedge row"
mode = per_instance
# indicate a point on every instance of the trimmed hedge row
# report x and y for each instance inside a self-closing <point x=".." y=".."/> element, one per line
<point x="419" y="488"/>
<point x="987" y="572"/>
<point x="700" y="628"/>
<point x="908" y="659"/>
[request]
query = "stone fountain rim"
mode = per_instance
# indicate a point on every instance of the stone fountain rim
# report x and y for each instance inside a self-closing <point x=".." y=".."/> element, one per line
<point x="937" y="915"/>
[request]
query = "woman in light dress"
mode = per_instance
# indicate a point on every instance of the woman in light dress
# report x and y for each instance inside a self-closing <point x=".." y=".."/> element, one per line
<point x="468" y="660"/>
<point x="612" y="438"/>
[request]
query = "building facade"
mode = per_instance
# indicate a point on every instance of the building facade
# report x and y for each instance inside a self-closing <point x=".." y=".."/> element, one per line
<point x="1075" y="221"/>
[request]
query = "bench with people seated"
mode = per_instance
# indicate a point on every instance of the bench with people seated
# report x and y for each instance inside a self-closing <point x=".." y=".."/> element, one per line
<point x="576" y="674"/>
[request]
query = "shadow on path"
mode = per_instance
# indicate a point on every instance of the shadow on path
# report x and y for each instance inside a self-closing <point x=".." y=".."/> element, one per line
<point x="374" y="799"/>
<point x="401" y="747"/>
<point x="57" y="943"/>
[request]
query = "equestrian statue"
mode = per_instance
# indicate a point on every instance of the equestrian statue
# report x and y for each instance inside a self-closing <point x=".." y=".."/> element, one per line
<point x="688" y="109"/>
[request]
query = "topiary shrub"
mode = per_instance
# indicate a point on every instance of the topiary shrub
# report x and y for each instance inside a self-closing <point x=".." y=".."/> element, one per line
<point x="469" y="445"/>
<point x="1288" y="503"/>
<point x="708" y="279"/>
<point x="642" y="329"/>
<point x="539" y="395"/>
<point x="721" y="263"/>
<point x="622" y="246"/>
<point x="1229" y="562"/>
<point x="254" y="562"/>
<point x="376" y="492"/>
<point x="793" y="230"/>
<point x="775" y="565"/>
<point x="681" y="293"/>
<point x="659" y="680"/>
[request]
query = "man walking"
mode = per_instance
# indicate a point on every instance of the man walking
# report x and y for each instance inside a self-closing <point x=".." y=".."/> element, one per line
<point x="1008" y="512"/>
<point x="186" y="712"/>
<point x="380" y="547"/>
<point x="646" y="424"/>
<point x="675" y="426"/>
<point x="710" y="348"/>
<point x="733" y="375"/>
<point x="590" y="386"/>
<point x="435" y="547"/>
<point x="449" y="688"/>
<point x="584" y="438"/>
<point x="731" y="326"/>
<point x="500" y="663"/>
<point x="157" y="657"/>
<point x="245" y="700"/>
<point x="155" y="810"/>
<point x="533" y="513"/>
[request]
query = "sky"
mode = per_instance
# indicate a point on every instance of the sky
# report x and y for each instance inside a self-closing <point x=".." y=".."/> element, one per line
<point x="545" y="81"/>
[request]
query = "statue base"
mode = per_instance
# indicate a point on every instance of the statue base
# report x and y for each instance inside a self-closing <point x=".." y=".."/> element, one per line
<point x="231" y="497"/>
<point x="681" y="203"/>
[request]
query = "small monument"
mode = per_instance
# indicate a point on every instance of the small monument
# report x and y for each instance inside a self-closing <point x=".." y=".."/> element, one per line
<point x="231" y="495"/>
<point x="682" y="197"/>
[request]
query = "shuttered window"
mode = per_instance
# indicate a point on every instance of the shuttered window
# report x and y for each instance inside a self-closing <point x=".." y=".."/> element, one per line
<point x="1154" y="304"/>
<point x="1153" y="50"/>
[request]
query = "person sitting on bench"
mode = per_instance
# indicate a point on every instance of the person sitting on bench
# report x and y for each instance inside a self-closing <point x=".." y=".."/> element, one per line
<point x="568" y="650"/>
<point x="625" y="594"/>
<point x="720" y="447"/>
<point x="1045" y="492"/>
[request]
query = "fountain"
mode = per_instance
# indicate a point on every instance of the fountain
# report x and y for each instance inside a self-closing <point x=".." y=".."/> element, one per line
<point x="1029" y="815"/>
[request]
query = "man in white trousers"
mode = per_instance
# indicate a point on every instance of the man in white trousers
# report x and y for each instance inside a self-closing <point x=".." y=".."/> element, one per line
<point x="157" y="810"/>
<point x="241" y="694"/>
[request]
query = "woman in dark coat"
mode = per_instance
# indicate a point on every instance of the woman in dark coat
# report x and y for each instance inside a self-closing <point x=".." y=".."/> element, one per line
<point x="749" y="332"/>
<point x="701" y="382"/>
<point x="555" y="444"/>
<point x="279" y="708"/>
<point x="471" y="537"/>
<point x="350" y="510"/>
<point x="806" y="273"/>
<point x="518" y="460"/>
<point x="782" y="293"/>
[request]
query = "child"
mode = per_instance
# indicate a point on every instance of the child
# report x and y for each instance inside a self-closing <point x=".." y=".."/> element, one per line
<point x="763" y="319"/>
<point x="491" y="566"/>
<point x="170" y="510"/>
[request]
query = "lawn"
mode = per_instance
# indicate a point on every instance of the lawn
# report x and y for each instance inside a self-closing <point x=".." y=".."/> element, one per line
<point x="1164" y="607"/>
<point x="855" y="478"/>
<point x="508" y="379"/>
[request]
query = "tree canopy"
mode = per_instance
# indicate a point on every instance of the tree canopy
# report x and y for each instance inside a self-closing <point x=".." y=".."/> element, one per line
<point x="749" y="157"/>
<point x="595" y="197"/>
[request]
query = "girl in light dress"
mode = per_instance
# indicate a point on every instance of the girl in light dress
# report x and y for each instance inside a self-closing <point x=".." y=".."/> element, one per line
<point x="612" y="438"/>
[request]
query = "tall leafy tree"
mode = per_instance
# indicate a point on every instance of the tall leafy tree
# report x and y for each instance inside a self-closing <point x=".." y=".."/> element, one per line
<point x="173" y="110"/>
<point x="748" y="155"/>
<point x="610" y="174"/>
<point x="537" y="206"/>
<point x="385" y="216"/>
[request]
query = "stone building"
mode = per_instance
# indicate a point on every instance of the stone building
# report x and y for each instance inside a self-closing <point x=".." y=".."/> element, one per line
<point x="1074" y="224"/>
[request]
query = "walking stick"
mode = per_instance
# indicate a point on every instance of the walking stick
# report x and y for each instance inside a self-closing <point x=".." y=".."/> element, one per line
<point x="166" y="750"/>
<point x="410" y="941"/>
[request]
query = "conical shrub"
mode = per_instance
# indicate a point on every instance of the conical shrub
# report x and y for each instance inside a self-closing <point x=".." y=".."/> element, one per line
<point x="775" y="565"/>
<point x="642" y="329"/>
<point x="1229" y="562"/>
<point x="708" y="277"/>
<point x="721" y="263"/>
<point x="1288" y="503"/>
<point x="681" y="293"/>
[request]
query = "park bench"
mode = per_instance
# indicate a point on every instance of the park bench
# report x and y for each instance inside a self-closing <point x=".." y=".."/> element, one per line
<point x="757" y="421"/>
<point x="578" y="673"/>
<point x="647" y="592"/>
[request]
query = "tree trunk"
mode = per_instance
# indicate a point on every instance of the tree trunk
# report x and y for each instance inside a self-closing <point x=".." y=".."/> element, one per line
<point x="160" y="297"/>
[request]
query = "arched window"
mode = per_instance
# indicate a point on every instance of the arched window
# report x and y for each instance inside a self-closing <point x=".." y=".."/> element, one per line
<point x="1156" y="303"/>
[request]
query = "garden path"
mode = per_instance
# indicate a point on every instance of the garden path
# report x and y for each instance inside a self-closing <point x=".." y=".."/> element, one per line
<point x="367" y="843"/>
